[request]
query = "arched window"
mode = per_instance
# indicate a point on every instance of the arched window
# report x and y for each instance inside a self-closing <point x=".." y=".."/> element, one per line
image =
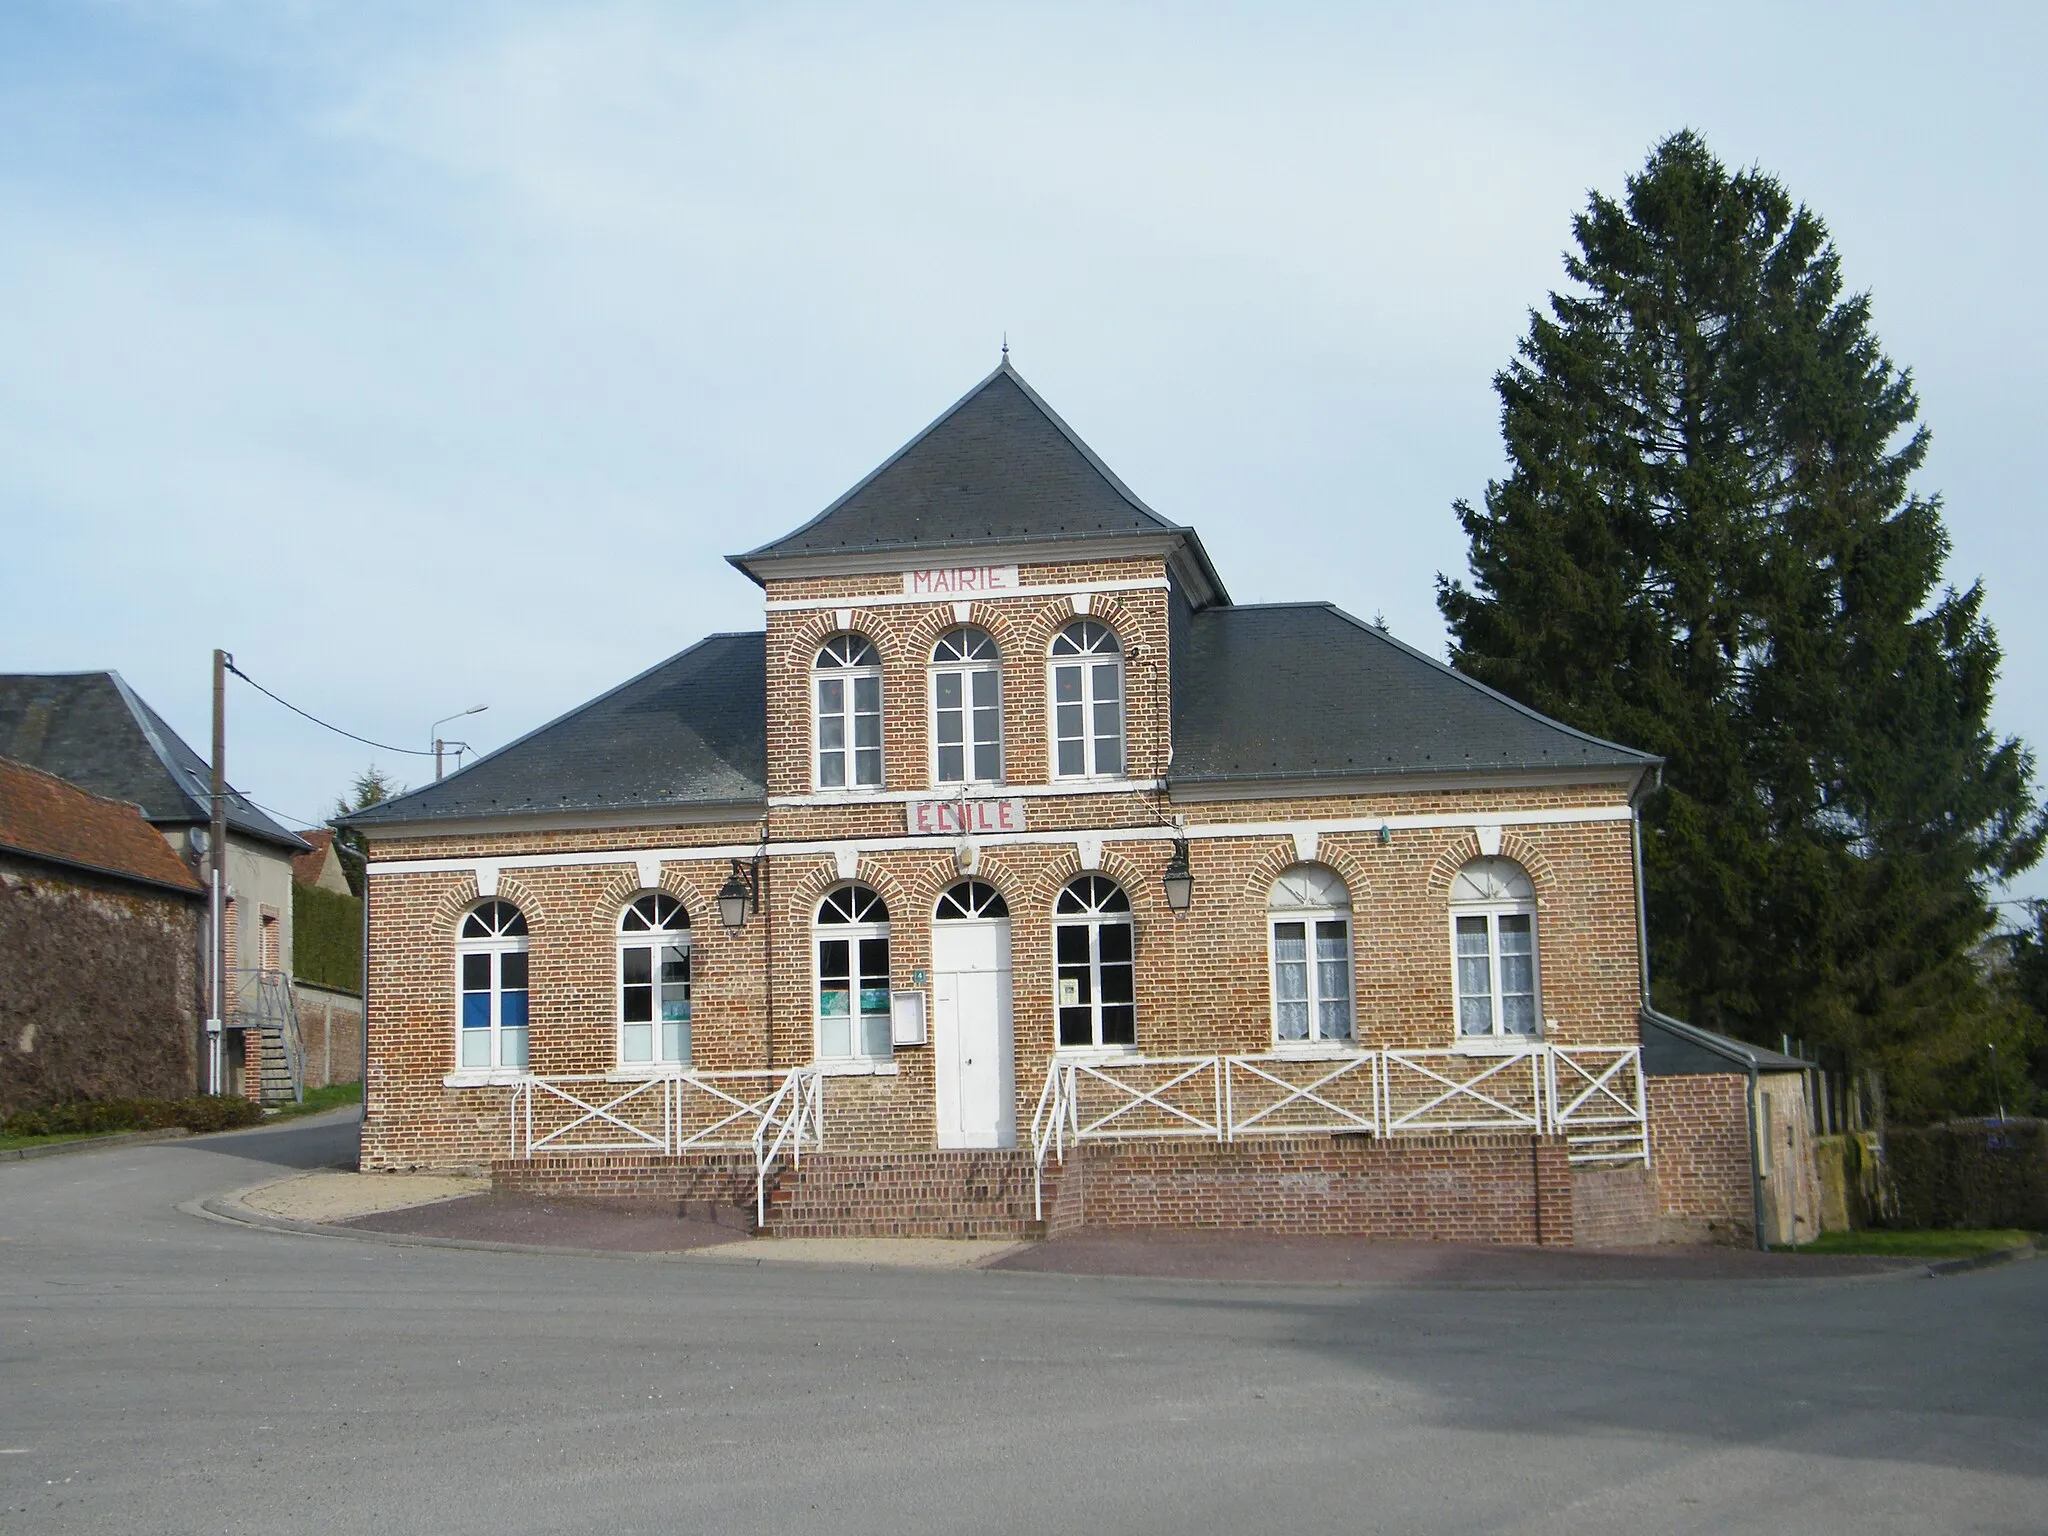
<point x="1309" y="917"/>
<point x="654" y="981"/>
<point x="970" y="899"/>
<point x="847" y="694"/>
<point x="967" y="709"/>
<point x="1087" y="702"/>
<point x="490" y="958"/>
<point x="1092" y="958"/>
<point x="853" y="975"/>
<point x="1493" y="935"/>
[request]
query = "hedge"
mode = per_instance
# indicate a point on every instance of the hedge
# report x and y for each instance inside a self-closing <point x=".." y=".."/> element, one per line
<point x="1969" y="1173"/>
<point x="327" y="938"/>
<point x="87" y="1117"/>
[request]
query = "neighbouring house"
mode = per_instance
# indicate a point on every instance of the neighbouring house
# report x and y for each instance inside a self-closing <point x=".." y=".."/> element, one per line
<point x="1021" y="880"/>
<point x="327" y="963"/>
<point x="92" y="729"/>
<point x="100" y="928"/>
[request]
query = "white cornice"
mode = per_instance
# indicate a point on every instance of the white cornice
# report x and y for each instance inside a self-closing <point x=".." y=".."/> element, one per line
<point x="1181" y="792"/>
<point x="899" y="599"/>
<point x="1105" y="836"/>
<point x="723" y="813"/>
<point x="836" y="797"/>
<point x="872" y="562"/>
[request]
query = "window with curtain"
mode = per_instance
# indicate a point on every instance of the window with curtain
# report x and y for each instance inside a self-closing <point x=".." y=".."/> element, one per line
<point x="1309" y="923"/>
<point x="1493" y="937"/>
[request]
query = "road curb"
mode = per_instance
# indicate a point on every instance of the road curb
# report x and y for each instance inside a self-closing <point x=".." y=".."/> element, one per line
<point x="92" y="1144"/>
<point x="2025" y="1253"/>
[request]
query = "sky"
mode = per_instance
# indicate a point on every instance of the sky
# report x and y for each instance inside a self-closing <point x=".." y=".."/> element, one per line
<point x="434" y="356"/>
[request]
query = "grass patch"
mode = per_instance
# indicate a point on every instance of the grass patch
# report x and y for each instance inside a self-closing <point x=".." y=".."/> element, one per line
<point x="12" y="1143"/>
<point x="1919" y="1245"/>
<point x="333" y="1096"/>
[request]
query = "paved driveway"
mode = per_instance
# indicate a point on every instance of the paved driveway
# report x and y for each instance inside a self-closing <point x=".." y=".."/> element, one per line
<point x="164" y="1373"/>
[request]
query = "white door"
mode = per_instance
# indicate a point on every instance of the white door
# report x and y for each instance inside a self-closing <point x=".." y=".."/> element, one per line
<point x="971" y="1033"/>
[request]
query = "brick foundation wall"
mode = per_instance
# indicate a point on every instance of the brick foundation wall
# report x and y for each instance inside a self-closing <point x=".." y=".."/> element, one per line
<point x="1613" y="1207"/>
<point x="1699" y="1152"/>
<point x="716" y="1179"/>
<point x="1473" y="1189"/>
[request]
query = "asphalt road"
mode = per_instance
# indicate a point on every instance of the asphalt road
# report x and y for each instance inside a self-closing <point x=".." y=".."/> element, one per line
<point x="163" y="1373"/>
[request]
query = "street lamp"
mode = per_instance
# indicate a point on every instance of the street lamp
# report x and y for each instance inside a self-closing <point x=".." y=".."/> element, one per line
<point x="1179" y="880"/>
<point x="740" y="894"/>
<point x="434" y="731"/>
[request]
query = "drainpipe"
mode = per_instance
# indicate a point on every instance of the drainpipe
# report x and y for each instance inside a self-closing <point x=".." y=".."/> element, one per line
<point x="1635" y="827"/>
<point x="1756" y="1176"/>
<point x="364" y="1119"/>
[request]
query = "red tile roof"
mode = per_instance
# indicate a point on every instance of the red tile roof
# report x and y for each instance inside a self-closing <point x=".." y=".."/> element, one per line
<point x="306" y="866"/>
<point x="45" y="817"/>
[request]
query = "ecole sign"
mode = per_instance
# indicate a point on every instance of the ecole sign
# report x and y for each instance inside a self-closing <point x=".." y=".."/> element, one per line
<point x="960" y="580"/>
<point x="955" y="818"/>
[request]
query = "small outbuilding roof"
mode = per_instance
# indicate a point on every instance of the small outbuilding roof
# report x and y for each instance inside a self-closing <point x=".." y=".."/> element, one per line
<point x="1306" y="691"/>
<point x="1674" y="1048"/>
<point x="690" y="731"/>
<point x="46" y="818"/>
<point x="93" y="730"/>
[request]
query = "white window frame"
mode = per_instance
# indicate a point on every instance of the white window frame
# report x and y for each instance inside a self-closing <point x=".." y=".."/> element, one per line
<point x="853" y="933"/>
<point x="654" y="939"/>
<point x="1090" y="633"/>
<point x="966" y="668"/>
<point x="1521" y="902"/>
<point x="848" y="660"/>
<point x="1284" y="907"/>
<point x="1094" y="921"/>
<point x="492" y="948"/>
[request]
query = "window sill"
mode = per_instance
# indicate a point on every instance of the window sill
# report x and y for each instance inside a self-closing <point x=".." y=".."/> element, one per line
<point x="647" y="1071"/>
<point x="484" y="1077"/>
<point x="1089" y="1055"/>
<point x="1495" y="1045"/>
<point x="1316" y="1050"/>
<point x="855" y="1068"/>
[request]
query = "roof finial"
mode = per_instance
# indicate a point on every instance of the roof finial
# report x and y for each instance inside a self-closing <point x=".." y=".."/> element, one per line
<point x="1006" y="346"/>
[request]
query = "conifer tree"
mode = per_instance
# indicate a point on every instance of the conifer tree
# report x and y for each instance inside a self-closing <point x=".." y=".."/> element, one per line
<point x="1708" y="547"/>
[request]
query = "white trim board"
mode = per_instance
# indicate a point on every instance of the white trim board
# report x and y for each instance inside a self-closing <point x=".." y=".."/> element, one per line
<point x="1107" y="836"/>
<point x="976" y="791"/>
<point x="928" y="599"/>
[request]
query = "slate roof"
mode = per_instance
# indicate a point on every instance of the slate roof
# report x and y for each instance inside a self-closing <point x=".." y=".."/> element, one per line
<point x="1304" y="690"/>
<point x="691" y="731"/>
<point x="998" y="468"/>
<point x="92" y="729"/>
<point x="46" y="818"/>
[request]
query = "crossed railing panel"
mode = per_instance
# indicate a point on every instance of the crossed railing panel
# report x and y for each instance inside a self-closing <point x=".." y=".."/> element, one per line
<point x="1593" y="1096"/>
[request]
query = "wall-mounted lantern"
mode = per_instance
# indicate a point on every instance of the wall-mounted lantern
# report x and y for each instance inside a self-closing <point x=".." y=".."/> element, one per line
<point x="740" y="894"/>
<point x="1179" y="879"/>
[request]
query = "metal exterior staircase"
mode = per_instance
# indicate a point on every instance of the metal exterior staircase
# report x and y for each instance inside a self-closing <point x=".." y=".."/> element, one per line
<point x="268" y="1016"/>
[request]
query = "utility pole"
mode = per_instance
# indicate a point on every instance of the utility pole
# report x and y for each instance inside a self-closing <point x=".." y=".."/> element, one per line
<point x="217" y="847"/>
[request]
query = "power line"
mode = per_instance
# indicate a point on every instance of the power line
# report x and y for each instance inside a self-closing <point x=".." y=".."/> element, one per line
<point x="288" y="704"/>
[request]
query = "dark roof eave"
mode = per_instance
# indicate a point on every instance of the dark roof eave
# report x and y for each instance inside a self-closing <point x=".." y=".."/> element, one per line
<point x="1749" y="1057"/>
<point x="366" y="819"/>
<point x="189" y="892"/>
<point x="1326" y="775"/>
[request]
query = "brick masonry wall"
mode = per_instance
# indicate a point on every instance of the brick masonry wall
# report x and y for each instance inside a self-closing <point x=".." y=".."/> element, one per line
<point x="1475" y="1189"/>
<point x="1613" y="1207"/>
<point x="715" y="1179"/>
<point x="1202" y="976"/>
<point x="331" y="1028"/>
<point x="1699" y="1151"/>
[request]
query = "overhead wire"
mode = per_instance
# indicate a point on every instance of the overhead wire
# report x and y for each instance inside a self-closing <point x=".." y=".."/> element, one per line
<point x="381" y="746"/>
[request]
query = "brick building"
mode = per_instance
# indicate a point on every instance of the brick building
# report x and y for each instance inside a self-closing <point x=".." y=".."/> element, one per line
<point x="1014" y="874"/>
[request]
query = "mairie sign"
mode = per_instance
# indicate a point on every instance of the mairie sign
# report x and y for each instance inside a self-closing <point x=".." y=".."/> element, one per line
<point x="960" y="580"/>
<point x="956" y="818"/>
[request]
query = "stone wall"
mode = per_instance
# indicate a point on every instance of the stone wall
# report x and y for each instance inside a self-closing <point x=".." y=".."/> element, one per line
<point x="98" y="988"/>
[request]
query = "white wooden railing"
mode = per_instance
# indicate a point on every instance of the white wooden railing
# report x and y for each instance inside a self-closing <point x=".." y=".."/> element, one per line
<point x="1593" y="1096"/>
<point x="770" y="1114"/>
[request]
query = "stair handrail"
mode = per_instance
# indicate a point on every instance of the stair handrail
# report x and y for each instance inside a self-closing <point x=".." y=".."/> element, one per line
<point x="1049" y="1127"/>
<point x="288" y="1034"/>
<point x="804" y="1109"/>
